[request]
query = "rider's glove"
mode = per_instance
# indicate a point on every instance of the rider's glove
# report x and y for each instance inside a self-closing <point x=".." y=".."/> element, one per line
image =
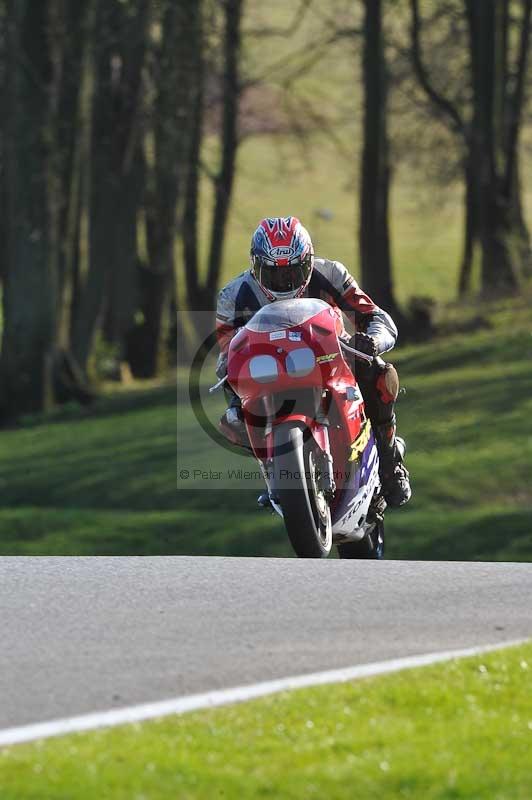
<point x="364" y="343"/>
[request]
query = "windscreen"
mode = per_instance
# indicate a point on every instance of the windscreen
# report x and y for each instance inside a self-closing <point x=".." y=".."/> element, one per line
<point x="285" y="314"/>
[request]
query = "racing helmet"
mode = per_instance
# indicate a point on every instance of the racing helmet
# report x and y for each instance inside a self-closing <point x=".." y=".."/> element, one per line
<point x="282" y="257"/>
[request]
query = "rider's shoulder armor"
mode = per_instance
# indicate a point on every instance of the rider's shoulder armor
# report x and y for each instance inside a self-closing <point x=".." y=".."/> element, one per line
<point x="330" y="280"/>
<point x="334" y="272"/>
<point x="240" y="299"/>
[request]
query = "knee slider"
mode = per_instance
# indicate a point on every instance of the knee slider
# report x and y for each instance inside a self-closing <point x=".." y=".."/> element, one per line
<point x="388" y="384"/>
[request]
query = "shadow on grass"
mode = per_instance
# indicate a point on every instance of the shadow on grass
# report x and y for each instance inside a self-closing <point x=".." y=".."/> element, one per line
<point x="38" y="531"/>
<point x="454" y="353"/>
<point x="470" y="412"/>
<point x="495" y="535"/>
<point x="105" y="406"/>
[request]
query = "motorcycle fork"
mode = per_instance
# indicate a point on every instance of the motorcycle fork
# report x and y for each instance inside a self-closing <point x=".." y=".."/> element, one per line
<point x="322" y="399"/>
<point x="318" y="428"/>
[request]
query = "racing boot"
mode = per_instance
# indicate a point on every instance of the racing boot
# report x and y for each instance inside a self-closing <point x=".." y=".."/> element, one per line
<point x="393" y="473"/>
<point x="264" y="501"/>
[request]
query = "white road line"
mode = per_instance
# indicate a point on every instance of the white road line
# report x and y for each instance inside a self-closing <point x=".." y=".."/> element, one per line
<point x="238" y="694"/>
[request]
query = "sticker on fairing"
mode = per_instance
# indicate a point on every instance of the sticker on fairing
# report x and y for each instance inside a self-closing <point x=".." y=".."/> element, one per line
<point x="361" y="441"/>
<point x="277" y="335"/>
<point x="294" y="336"/>
<point x="325" y="359"/>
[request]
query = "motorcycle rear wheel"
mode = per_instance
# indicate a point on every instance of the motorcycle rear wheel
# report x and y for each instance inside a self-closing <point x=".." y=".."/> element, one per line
<point x="370" y="547"/>
<point x="306" y="512"/>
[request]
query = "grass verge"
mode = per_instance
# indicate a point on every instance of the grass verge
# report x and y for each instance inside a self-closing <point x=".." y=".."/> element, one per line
<point x="458" y="731"/>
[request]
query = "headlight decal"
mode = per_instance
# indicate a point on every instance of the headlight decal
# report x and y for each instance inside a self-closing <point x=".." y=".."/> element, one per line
<point x="263" y="369"/>
<point x="300" y="362"/>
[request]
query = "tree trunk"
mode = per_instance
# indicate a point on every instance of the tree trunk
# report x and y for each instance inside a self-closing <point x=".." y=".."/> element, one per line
<point x="201" y="296"/>
<point x="498" y="269"/>
<point x="374" y="239"/>
<point x="494" y="138"/>
<point x="143" y="341"/>
<point x="29" y="301"/>
<point x="515" y="105"/>
<point x="3" y="100"/>
<point x="174" y="72"/>
<point x="518" y="223"/>
<point x="129" y="177"/>
<point x="470" y="231"/>
<point x="191" y="196"/>
<point x="115" y="184"/>
<point x="122" y="285"/>
<point x="76" y="27"/>
<point x="224" y="183"/>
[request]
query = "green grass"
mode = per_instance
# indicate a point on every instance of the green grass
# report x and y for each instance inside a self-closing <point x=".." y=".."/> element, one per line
<point x="458" y="731"/>
<point x="103" y="481"/>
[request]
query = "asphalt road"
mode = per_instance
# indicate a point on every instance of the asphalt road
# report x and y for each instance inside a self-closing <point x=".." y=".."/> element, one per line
<point x="90" y="634"/>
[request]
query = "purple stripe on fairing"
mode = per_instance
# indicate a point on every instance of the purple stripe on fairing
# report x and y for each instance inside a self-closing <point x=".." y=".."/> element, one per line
<point x="369" y="457"/>
<point x="359" y="477"/>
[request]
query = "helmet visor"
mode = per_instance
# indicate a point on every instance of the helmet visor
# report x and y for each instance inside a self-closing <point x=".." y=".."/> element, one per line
<point x="286" y="278"/>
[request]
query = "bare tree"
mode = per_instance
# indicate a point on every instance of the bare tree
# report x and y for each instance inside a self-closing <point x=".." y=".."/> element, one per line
<point x="486" y="124"/>
<point x="201" y="296"/>
<point x="374" y="237"/>
<point x="173" y="69"/>
<point x="496" y="122"/>
<point x="116" y="175"/>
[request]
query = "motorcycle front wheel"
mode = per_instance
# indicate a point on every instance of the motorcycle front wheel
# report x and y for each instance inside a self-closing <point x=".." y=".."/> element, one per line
<point x="306" y="512"/>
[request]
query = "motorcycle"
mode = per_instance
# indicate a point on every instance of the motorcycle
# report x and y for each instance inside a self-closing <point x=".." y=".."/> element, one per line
<point x="308" y="429"/>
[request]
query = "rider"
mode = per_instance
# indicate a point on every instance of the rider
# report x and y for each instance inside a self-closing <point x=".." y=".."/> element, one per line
<point x="283" y="266"/>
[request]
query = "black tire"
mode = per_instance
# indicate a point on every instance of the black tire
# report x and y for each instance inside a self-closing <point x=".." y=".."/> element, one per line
<point x="371" y="546"/>
<point x="308" y="527"/>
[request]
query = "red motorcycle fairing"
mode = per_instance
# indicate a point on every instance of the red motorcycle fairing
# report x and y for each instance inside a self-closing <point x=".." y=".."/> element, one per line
<point x="287" y="365"/>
